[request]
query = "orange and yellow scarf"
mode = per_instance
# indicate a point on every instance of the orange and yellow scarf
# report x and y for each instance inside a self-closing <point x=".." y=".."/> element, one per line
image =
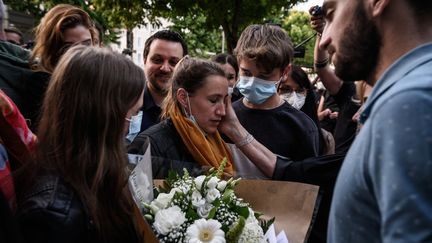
<point x="206" y="150"/>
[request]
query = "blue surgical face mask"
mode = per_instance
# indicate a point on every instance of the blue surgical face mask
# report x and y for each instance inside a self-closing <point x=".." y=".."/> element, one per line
<point x="134" y="126"/>
<point x="256" y="90"/>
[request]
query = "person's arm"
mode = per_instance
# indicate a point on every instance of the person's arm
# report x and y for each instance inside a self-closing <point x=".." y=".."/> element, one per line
<point x="321" y="59"/>
<point x="262" y="157"/>
<point x="316" y="170"/>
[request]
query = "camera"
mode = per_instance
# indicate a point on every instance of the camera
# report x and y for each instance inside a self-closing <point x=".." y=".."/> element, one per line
<point x="315" y="10"/>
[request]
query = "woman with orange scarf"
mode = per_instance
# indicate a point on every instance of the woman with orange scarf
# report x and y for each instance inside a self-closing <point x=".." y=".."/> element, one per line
<point x="188" y="137"/>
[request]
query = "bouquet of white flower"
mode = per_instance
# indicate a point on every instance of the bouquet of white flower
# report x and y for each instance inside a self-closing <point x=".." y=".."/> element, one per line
<point x="203" y="209"/>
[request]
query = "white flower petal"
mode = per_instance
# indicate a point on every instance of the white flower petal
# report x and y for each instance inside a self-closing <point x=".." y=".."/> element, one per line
<point x="199" y="181"/>
<point x="169" y="218"/>
<point x="222" y="185"/>
<point x="212" y="183"/>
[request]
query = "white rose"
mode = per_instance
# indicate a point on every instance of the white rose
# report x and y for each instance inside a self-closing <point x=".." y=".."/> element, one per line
<point x="212" y="194"/>
<point x="169" y="218"/>
<point x="204" y="210"/>
<point x="222" y="185"/>
<point x="199" y="181"/>
<point x="196" y="199"/>
<point x="212" y="183"/>
<point x="162" y="200"/>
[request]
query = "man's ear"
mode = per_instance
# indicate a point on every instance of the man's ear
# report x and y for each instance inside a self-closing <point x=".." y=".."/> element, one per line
<point x="377" y="6"/>
<point x="182" y="97"/>
<point x="286" y="72"/>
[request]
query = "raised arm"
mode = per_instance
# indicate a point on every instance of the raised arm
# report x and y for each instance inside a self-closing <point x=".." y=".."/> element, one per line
<point x="321" y="59"/>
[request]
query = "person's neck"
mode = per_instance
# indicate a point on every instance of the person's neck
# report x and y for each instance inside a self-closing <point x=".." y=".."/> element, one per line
<point x="157" y="96"/>
<point x="400" y="36"/>
<point x="271" y="103"/>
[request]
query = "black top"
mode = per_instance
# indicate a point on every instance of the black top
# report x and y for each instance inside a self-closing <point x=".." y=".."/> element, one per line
<point x="283" y="130"/>
<point x="167" y="150"/>
<point x="51" y="211"/>
<point x="345" y="129"/>
<point x="25" y="87"/>
<point x="151" y="112"/>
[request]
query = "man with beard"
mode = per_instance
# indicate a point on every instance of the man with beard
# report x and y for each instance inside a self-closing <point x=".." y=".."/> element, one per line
<point x="342" y="93"/>
<point x="162" y="51"/>
<point x="384" y="189"/>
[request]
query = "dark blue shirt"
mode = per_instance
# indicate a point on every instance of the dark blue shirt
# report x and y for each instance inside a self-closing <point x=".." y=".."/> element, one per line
<point x="151" y="112"/>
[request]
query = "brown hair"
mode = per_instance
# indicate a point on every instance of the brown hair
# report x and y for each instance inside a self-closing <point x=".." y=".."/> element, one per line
<point x="49" y="34"/>
<point x="269" y="45"/>
<point x="81" y="132"/>
<point x="189" y="74"/>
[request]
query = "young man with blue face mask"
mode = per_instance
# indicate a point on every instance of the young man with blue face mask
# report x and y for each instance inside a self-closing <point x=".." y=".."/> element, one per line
<point x="264" y="53"/>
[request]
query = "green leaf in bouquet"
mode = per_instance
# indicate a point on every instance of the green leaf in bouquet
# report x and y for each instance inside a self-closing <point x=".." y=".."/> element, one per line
<point x="172" y="177"/>
<point x="265" y="224"/>
<point x="191" y="214"/>
<point x="236" y="229"/>
<point x="221" y="168"/>
<point x="242" y="211"/>
<point x="149" y="217"/>
<point x="226" y="197"/>
<point x="212" y="213"/>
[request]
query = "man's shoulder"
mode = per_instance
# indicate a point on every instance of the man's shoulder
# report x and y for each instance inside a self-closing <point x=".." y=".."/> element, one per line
<point x="14" y="52"/>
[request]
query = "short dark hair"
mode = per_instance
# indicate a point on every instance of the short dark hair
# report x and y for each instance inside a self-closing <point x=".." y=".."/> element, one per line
<point x="300" y="77"/>
<point x="224" y="58"/>
<point x="12" y="29"/>
<point x="421" y="8"/>
<point x="167" y="35"/>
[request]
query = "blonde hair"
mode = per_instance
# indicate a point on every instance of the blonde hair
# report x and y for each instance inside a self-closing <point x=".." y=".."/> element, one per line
<point x="49" y="34"/>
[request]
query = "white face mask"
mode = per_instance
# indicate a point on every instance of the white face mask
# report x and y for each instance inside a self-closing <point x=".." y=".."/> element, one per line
<point x="295" y="99"/>
<point x="230" y="90"/>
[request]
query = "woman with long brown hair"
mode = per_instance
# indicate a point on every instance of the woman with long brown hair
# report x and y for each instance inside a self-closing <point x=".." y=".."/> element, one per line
<point x="61" y="27"/>
<point x="78" y="190"/>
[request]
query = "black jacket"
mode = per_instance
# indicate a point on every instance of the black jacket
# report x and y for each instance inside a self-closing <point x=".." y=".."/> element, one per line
<point x="51" y="212"/>
<point x="25" y="87"/>
<point x="167" y="150"/>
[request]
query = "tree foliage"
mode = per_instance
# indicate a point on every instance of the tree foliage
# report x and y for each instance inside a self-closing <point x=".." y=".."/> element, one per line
<point x="201" y="22"/>
<point x="296" y="23"/>
<point x="201" y="41"/>
<point x="232" y="15"/>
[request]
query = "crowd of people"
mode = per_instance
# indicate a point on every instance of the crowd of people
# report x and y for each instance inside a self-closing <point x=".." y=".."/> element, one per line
<point x="72" y="110"/>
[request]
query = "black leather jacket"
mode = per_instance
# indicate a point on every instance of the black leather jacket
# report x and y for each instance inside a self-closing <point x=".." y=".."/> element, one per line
<point x="51" y="212"/>
<point x="167" y="149"/>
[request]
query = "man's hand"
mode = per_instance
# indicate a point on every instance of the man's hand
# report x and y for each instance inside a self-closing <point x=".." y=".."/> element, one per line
<point x="317" y="23"/>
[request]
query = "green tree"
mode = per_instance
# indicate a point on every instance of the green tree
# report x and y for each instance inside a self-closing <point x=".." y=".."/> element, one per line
<point x="232" y="15"/>
<point x="110" y="19"/>
<point x="201" y="42"/>
<point x="296" y="23"/>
